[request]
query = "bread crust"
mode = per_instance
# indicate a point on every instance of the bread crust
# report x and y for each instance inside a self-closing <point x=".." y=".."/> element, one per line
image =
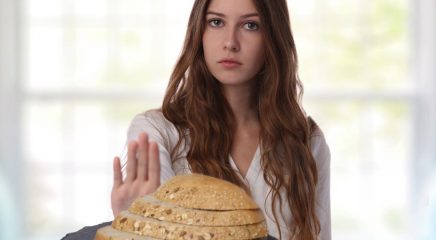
<point x="148" y="206"/>
<point x="198" y="191"/>
<point x="139" y="225"/>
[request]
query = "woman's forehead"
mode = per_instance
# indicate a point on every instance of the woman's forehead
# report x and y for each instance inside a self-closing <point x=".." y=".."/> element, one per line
<point x="232" y="7"/>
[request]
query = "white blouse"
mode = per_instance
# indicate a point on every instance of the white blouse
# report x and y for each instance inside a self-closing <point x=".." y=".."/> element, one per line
<point x="164" y="133"/>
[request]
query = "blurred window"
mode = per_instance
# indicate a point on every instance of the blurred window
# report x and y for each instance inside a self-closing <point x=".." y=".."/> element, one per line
<point x="90" y="66"/>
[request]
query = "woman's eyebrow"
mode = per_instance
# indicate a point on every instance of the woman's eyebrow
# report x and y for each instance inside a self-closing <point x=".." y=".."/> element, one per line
<point x="223" y="15"/>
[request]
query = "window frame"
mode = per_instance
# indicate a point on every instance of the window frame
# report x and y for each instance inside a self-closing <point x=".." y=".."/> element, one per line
<point x="11" y="164"/>
<point x="423" y="61"/>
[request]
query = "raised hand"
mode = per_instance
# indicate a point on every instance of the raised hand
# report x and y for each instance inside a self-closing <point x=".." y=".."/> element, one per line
<point x="142" y="175"/>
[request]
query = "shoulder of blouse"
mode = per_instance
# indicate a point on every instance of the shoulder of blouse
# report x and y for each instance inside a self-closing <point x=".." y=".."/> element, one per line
<point x="156" y="126"/>
<point x="320" y="150"/>
<point x="321" y="154"/>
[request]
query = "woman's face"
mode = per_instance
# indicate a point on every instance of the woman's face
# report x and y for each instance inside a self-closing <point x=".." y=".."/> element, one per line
<point x="232" y="41"/>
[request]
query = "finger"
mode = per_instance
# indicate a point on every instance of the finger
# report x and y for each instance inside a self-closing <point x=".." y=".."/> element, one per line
<point x="131" y="161"/>
<point x="143" y="156"/>
<point x="154" y="165"/>
<point x="118" y="176"/>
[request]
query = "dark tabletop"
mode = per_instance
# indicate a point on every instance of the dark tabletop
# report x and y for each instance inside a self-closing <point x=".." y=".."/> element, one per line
<point x="86" y="233"/>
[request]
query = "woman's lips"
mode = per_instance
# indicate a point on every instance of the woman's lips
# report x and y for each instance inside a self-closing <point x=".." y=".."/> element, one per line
<point x="229" y="63"/>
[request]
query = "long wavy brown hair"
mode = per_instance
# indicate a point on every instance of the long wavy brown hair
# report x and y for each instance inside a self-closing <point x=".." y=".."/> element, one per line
<point x="195" y="104"/>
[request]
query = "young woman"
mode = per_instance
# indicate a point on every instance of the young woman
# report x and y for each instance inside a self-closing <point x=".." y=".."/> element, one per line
<point x="232" y="110"/>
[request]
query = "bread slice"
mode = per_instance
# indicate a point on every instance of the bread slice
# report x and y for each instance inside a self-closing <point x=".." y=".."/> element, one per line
<point x="110" y="233"/>
<point x="129" y="222"/>
<point x="198" y="191"/>
<point x="148" y="206"/>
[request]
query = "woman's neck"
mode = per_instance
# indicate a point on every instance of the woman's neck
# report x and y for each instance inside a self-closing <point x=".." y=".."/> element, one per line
<point x="240" y="99"/>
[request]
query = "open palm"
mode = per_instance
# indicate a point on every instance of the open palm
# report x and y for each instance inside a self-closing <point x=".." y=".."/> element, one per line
<point x="142" y="174"/>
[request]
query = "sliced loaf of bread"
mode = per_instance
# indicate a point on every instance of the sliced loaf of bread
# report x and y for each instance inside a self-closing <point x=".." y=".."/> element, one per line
<point x="150" y="207"/>
<point x="129" y="222"/>
<point x="190" y="207"/>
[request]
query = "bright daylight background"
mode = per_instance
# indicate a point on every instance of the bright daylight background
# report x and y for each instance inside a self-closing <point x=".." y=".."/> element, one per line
<point x="73" y="73"/>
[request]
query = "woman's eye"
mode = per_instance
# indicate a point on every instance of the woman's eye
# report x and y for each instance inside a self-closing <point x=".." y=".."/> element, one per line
<point x="251" y="26"/>
<point x="215" y="23"/>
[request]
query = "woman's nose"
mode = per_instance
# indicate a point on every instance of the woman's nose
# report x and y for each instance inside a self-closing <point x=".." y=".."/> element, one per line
<point x="231" y="42"/>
